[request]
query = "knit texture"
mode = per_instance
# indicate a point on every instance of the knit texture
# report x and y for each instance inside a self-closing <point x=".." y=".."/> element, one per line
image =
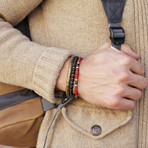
<point x="59" y="29"/>
<point x="14" y="11"/>
<point x="141" y="33"/>
<point x="28" y="64"/>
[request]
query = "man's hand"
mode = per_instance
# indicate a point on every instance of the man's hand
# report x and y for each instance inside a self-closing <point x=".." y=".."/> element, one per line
<point x="111" y="78"/>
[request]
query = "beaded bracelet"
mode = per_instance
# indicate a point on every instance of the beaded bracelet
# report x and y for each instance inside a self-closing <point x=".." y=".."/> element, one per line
<point x="72" y="76"/>
<point x="77" y="77"/>
<point x="69" y="74"/>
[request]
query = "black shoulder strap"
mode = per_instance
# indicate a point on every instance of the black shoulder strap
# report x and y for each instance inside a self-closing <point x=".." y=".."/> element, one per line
<point x="17" y="97"/>
<point x="114" y="10"/>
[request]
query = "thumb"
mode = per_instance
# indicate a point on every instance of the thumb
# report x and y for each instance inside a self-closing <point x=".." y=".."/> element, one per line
<point x="127" y="50"/>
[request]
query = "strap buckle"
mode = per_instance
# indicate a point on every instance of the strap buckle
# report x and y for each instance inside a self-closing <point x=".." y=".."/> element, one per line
<point x="117" y="35"/>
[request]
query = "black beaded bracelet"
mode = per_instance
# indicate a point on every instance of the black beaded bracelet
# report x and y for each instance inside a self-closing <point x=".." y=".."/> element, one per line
<point x="72" y="75"/>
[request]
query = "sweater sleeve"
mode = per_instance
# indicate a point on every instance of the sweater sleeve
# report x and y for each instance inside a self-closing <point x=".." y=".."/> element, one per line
<point x="14" y="11"/>
<point x="28" y="64"/>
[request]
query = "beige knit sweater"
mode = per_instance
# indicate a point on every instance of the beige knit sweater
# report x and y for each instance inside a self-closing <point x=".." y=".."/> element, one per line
<point x="60" y="28"/>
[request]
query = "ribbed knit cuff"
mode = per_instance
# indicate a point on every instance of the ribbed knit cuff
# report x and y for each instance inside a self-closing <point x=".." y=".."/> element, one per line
<point x="47" y="71"/>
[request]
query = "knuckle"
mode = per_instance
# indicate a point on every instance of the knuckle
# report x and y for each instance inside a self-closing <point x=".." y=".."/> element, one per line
<point x="126" y="61"/>
<point x="120" y="90"/>
<point x="113" y="103"/>
<point x="124" y="76"/>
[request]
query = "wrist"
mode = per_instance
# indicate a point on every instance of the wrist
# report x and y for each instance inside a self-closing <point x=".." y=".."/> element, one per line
<point x="61" y="81"/>
<point x="69" y="75"/>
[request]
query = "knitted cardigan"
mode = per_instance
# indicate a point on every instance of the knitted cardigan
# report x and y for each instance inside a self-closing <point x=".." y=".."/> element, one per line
<point x="60" y="28"/>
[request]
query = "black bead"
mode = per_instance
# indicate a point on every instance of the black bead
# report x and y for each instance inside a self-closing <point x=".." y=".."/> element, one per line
<point x="76" y="82"/>
<point x="72" y="79"/>
<point x="71" y="87"/>
<point x="73" y="76"/>
<point x="71" y="91"/>
<point x="71" y="83"/>
<point x="73" y="71"/>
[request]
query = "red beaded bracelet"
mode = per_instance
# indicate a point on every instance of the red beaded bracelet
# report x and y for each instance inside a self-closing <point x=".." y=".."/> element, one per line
<point x="77" y="77"/>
